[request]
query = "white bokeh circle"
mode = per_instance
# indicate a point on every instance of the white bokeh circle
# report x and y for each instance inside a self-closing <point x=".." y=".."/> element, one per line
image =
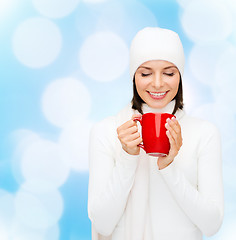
<point x="231" y="5"/>
<point x="94" y="1"/>
<point x="228" y="230"/>
<point x="74" y="141"/>
<point x="229" y="166"/>
<point x="96" y="19"/>
<point x="207" y="21"/>
<point x="225" y="69"/>
<point x="5" y="7"/>
<point x="219" y="115"/>
<point x="64" y="100"/>
<point x="37" y="42"/>
<point x="111" y="18"/>
<point x="7" y="210"/>
<point x="42" y="162"/>
<point x="225" y="76"/>
<point x="189" y="93"/>
<point x="234" y="37"/>
<point x="184" y="3"/>
<point x="38" y="211"/>
<point x="38" y="186"/>
<point x="22" y="138"/>
<point x="4" y="232"/>
<point x="52" y="233"/>
<point x="203" y="60"/>
<point x="137" y="16"/>
<point x="55" y="8"/>
<point x="21" y="231"/>
<point x="104" y="56"/>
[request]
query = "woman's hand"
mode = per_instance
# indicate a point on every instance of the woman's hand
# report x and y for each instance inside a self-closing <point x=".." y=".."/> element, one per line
<point x="175" y="138"/>
<point x="129" y="136"/>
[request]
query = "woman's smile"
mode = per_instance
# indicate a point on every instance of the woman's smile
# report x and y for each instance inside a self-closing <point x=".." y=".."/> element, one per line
<point x="157" y="95"/>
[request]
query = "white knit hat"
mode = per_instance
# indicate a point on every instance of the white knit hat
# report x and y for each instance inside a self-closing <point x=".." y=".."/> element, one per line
<point x="153" y="43"/>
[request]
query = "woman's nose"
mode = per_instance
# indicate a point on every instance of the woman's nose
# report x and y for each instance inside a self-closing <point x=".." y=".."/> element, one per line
<point x="157" y="81"/>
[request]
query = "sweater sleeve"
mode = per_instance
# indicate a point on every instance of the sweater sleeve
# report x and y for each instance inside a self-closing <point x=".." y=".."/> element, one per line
<point x="204" y="205"/>
<point x="110" y="179"/>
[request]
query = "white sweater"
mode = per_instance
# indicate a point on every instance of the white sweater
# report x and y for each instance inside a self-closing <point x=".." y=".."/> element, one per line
<point x="131" y="199"/>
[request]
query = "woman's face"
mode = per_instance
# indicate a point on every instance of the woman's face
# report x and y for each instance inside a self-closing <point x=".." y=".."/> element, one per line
<point x="157" y="82"/>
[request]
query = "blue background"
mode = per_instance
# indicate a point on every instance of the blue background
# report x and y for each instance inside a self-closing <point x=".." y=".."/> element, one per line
<point x="31" y="101"/>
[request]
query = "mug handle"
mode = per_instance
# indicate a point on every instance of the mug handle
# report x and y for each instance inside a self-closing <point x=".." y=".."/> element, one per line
<point x="139" y="119"/>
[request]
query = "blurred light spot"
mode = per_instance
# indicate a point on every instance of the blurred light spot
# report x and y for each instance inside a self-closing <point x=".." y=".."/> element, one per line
<point x="5" y="6"/>
<point x="38" y="211"/>
<point x="218" y="114"/>
<point x="228" y="231"/>
<point x="225" y="76"/>
<point x="3" y="231"/>
<point x="234" y="37"/>
<point x="225" y="69"/>
<point x="20" y="231"/>
<point x="229" y="165"/>
<point x="52" y="233"/>
<point x="7" y="208"/>
<point x="64" y="100"/>
<point x="74" y="141"/>
<point x="94" y="1"/>
<point x="104" y="56"/>
<point x="231" y="4"/>
<point x="38" y="186"/>
<point x="137" y="16"/>
<point x="203" y="60"/>
<point x="206" y="21"/>
<point x="22" y="138"/>
<point x="205" y="112"/>
<point x="37" y="42"/>
<point x="111" y="18"/>
<point x="55" y="8"/>
<point x="87" y="16"/>
<point x="189" y="94"/>
<point x="184" y="3"/>
<point x="28" y="236"/>
<point x="99" y="18"/>
<point x="42" y="161"/>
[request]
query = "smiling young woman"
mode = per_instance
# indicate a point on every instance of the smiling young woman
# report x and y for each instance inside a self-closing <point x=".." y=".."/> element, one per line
<point x="157" y="82"/>
<point x="133" y="196"/>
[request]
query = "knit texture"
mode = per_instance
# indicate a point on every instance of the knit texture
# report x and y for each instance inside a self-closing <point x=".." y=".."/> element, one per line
<point x="153" y="43"/>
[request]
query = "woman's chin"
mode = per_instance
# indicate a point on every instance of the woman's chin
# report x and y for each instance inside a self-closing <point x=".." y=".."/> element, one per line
<point x="157" y="104"/>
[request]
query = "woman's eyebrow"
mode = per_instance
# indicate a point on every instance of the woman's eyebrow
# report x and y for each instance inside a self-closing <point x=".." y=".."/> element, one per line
<point x="170" y="67"/>
<point x="163" y="68"/>
<point x="145" y="67"/>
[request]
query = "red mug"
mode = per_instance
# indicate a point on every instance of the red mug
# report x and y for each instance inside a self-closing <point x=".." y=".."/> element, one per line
<point x="155" y="141"/>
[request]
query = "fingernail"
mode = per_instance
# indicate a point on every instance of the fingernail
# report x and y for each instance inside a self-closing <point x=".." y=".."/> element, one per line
<point x="173" y="118"/>
<point x="168" y="120"/>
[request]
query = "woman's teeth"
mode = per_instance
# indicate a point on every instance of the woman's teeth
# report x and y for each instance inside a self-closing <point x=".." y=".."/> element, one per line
<point x="157" y="94"/>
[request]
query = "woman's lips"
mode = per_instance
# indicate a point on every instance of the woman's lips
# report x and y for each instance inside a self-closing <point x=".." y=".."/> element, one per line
<point x="157" y="95"/>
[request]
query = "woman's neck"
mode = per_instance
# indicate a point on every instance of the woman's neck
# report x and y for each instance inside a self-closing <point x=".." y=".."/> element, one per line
<point x="167" y="109"/>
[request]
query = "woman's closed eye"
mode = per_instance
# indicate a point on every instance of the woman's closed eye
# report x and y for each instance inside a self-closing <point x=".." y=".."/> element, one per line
<point x="145" y="74"/>
<point x="169" y="74"/>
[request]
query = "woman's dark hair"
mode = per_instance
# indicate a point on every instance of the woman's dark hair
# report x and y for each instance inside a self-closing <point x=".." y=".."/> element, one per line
<point x="137" y="101"/>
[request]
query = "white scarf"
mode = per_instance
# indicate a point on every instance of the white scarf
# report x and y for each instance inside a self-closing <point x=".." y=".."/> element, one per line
<point x="136" y="215"/>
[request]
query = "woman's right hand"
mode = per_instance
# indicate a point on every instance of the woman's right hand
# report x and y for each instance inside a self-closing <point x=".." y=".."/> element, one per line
<point x="129" y="136"/>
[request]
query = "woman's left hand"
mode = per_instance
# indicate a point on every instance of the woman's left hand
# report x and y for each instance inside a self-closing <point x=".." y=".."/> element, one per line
<point x="175" y="138"/>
